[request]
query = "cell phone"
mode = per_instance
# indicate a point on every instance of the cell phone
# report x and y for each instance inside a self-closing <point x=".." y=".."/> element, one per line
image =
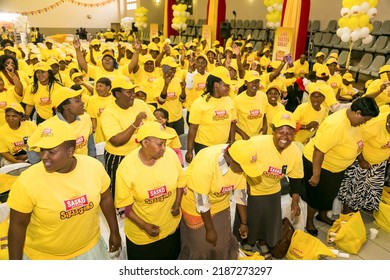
<point x="289" y="60"/>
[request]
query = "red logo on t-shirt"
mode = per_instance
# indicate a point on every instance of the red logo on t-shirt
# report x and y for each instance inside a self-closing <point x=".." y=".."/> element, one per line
<point x="200" y="86"/>
<point x="3" y="104"/>
<point x="151" y="79"/>
<point x="171" y="95"/>
<point x="157" y="192"/>
<point x="226" y="189"/>
<point x="44" y="101"/>
<point x="79" y="140"/>
<point x="275" y="171"/>
<point x="76" y="202"/>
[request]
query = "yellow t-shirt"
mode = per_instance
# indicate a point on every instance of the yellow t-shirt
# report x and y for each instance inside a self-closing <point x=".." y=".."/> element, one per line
<point x="64" y="208"/>
<point x="234" y="87"/>
<point x="146" y="80"/>
<point x="347" y="91"/>
<point x="41" y="99"/>
<point x="250" y="112"/>
<point x="96" y="72"/>
<point x="115" y="120"/>
<point x="265" y="62"/>
<point x="271" y="165"/>
<point x="12" y="140"/>
<point x="305" y="114"/>
<point x="173" y="143"/>
<point x="197" y="90"/>
<point x="317" y="66"/>
<point x="384" y="96"/>
<point x="152" y="192"/>
<point x="335" y="81"/>
<point x="270" y="113"/>
<point x="301" y="69"/>
<point x="172" y="103"/>
<point x="7" y="97"/>
<point x="214" y="118"/>
<point x="338" y="140"/>
<point x="96" y="106"/>
<point x="205" y="177"/>
<point x="376" y="139"/>
<point x="47" y="54"/>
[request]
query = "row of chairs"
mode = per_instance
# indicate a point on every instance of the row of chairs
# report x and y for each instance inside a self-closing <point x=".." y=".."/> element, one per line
<point x="379" y="27"/>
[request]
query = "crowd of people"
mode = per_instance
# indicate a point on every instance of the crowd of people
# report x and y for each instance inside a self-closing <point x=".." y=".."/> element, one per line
<point x="257" y="129"/>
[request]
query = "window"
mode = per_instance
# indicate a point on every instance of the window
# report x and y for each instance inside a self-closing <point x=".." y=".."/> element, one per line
<point x="131" y="5"/>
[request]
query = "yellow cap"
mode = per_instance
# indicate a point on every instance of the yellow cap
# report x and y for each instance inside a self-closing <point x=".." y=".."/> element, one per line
<point x="9" y="48"/>
<point x="211" y="50"/>
<point x="249" y="45"/>
<point x="273" y="85"/>
<point x="189" y="52"/>
<point x="320" y="54"/>
<point x="234" y="65"/>
<point x="108" y="53"/>
<point x="368" y="83"/>
<point x="49" y="40"/>
<point x="216" y="43"/>
<point x="266" y="50"/>
<point x="334" y="55"/>
<point x="153" y="47"/>
<point x="43" y="66"/>
<point x="122" y="82"/>
<point x="275" y="64"/>
<point x="68" y="58"/>
<point x="61" y="94"/>
<point x="251" y="76"/>
<point x="146" y="58"/>
<point x="52" y="61"/>
<point x="16" y="106"/>
<point x="384" y="68"/>
<point x="222" y="73"/>
<point x="331" y="60"/>
<point x="203" y="56"/>
<point x="95" y="42"/>
<point x="283" y="118"/>
<point x="53" y="134"/>
<point x="76" y="74"/>
<point x="33" y="56"/>
<point x="152" y="129"/>
<point x="244" y="153"/>
<point x="169" y="61"/>
<point x="229" y="49"/>
<point x="348" y="77"/>
<point x="322" y="71"/>
<point x="316" y="87"/>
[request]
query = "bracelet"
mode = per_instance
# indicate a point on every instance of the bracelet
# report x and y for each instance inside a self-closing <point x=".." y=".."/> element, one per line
<point x="243" y="224"/>
<point x="182" y="99"/>
<point x="162" y="100"/>
<point x="135" y="127"/>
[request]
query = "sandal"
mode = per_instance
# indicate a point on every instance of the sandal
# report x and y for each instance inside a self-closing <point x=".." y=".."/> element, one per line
<point x="325" y="220"/>
<point x="265" y="252"/>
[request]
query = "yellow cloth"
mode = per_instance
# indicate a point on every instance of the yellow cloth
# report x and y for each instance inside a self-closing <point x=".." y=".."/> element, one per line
<point x="65" y="218"/>
<point x="305" y="114"/>
<point x="96" y="106"/>
<point x="214" y="118"/>
<point x="114" y="120"/>
<point x="271" y="165"/>
<point x="12" y="140"/>
<point x="41" y="99"/>
<point x="204" y="176"/>
<point x="347" y="91"/>
<point x="151" y="190"/>
<point x="338" y="140"/>
<point x="376" y="140"/>
<point x="250" y="112"/>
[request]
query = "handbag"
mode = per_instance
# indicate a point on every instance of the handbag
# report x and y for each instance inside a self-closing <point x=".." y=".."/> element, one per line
<point x="382" y="215"/>
<point x="348" y="232"/>
<point x="280" y="249"/>
<point x="306" y="247"/>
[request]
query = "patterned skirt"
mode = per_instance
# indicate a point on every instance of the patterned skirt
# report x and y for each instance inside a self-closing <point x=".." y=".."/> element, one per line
<point x="362" y="188"/>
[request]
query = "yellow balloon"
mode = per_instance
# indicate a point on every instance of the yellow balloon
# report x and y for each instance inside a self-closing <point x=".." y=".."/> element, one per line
<point x="373" y="3"/>
<point x="353" y="23"/>
<point x="343" y="22"/>
<point x="363" y="20"/>
<point x="347" y="4"/>
<point x="370" y="27"/>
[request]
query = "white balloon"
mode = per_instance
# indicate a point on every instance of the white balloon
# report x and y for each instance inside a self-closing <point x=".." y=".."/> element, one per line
<point x="345" y="37"/>
<point x="270" y="9"/>
<point x="271" y="25"/>
<point x="346" y="30"/>
<point x="345" y="12"/>
<point x="277" y="24"/>
<point x="184" y="26"/>
<point x="145" y="25"/>
<point x="367" y="40"/>
<point x="280" y="7"/>
<point x="275" y="6"/>
<point x="372" y="12"/>
<point x="355" y="10"/>
<point x="339" y="31"/>
<point x="355" y="35"/>
<point x="364" y="31"/>
<point x="176" y="13"/>
<point x="364" y="7"/>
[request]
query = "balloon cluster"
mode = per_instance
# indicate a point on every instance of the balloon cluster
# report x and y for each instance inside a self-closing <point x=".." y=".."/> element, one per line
<point x="21" y="24"/>
<point x="126" y="23"/>
<point x="354" y="23"/>
<point x="274" y="12"/>
<point x="141" y="17"/>
<point x="180" y="16"/>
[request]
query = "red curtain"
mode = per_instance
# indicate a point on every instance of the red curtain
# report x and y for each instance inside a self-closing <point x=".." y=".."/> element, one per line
<point x="168" y="22"/>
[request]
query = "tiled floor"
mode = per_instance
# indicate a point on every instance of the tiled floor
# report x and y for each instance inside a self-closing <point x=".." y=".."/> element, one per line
<point x="377" y="249"/>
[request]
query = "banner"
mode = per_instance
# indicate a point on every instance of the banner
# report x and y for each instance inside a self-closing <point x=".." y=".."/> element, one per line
<point x="284" y="43"/>
<point x="153" y="30"/>
<point x="206" y="34"/>
<point x="58" y="3"/>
